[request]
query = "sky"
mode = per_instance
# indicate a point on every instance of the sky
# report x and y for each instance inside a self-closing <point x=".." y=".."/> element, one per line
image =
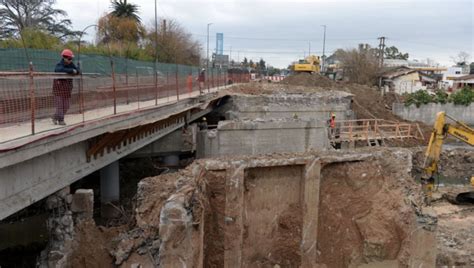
<point x="281" y="32"/>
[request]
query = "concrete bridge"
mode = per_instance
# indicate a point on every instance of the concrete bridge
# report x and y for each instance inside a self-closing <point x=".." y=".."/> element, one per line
<point x="33" y="166"/>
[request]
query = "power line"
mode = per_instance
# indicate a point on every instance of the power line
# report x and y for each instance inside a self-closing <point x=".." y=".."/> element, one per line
<point x="291" y="39"/>
<point x="276" y="52"/>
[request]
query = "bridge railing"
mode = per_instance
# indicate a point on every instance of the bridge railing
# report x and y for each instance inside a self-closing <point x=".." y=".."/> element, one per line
<point x="29" y="100"/>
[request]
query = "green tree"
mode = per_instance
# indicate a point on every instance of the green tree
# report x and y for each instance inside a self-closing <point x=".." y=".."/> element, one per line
<point x="261" y="64"/>
<point x="465" y="96"/>
<point x="33" y="38"/>
<point x="17" y="15"/>
<point x="393" y="53"/>
<point x="121" y="24"/>
<point x="123" y="9"/>
<point x="245" y="62"/>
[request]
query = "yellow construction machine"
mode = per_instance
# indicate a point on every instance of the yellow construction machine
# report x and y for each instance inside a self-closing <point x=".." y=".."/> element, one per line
<point x="310" y="64"/>
<point x="441" y="130"/>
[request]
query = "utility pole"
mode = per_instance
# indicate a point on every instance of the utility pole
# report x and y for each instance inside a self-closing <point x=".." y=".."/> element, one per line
<point x="207" y="54"/>
<point x="309" y="48"/>
<point x="230" y="55"/>
<point x="324" y="48"/>
<point x="155" y="69"/>
<point x="381" y="50"/>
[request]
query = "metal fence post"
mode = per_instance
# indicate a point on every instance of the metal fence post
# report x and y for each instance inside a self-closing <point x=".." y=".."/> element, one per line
<point x="32" y="99"/>
<point x="167" y="85"/>
<point x="113" y="85"/>
<point x="138" y="89"/>
<point x="177" y="84"/>
<point x="81" y="97"/>
<point x="156" y="85"/>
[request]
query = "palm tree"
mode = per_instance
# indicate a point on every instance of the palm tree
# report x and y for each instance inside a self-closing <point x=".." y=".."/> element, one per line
<point x="15" y="16"/>
<point x="122" y="9"/>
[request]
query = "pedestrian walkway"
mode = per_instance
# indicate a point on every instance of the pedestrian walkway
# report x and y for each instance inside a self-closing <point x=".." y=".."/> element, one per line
<point x="21" y="132"/>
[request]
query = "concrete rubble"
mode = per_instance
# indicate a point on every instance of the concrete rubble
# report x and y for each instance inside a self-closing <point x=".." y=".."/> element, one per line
<point x="61" y="227"/>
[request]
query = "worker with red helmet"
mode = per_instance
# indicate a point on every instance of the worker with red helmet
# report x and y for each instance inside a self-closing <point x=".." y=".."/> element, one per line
<point x="62" y="87"/>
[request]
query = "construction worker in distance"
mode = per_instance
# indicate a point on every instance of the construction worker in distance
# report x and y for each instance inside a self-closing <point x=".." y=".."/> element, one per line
<point x="203" y="124"/>
<point x="201" y="79"/>
<point x="62" y="87"/>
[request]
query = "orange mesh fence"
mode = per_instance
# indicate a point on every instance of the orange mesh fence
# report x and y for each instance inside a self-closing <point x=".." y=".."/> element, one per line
<point x="38" y="102"/>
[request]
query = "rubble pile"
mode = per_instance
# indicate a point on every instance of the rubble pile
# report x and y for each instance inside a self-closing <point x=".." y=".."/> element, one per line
<point x="455" y="167"/>
<point x="308" y="80"/>
<point x="184" y="218"/>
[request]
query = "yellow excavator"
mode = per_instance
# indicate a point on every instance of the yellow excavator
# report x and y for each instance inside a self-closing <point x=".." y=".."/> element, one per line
<point x="441" y="130"/>
<point x="310" y="64"/>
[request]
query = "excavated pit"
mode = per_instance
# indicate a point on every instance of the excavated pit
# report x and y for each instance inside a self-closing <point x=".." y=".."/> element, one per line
<point x="325" y="209"/>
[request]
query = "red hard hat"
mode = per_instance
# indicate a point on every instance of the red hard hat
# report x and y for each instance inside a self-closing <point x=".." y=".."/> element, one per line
<point x="67" y="53"/>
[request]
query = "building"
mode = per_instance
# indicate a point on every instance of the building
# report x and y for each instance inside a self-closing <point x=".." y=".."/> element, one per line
<point x="402" y="80"/>
<point x="462" y="81"/>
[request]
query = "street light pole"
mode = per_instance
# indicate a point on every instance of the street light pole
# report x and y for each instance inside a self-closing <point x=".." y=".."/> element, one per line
<point x="324" y="48"/>
<point x="207" y="60"/>
<point x="207" y="55"/>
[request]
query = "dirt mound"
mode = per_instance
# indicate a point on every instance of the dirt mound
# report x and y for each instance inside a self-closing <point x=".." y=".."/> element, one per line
<point x="307" y="79"/>
<point x="92" y="245"/>
<point x="355" y="224"/>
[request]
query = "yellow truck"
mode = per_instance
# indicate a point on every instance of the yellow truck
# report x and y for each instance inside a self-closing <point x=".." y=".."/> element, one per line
<point x="309" y="64"/>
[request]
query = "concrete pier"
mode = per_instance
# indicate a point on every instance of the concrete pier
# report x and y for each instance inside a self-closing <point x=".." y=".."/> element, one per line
<point x="109" y="189"/>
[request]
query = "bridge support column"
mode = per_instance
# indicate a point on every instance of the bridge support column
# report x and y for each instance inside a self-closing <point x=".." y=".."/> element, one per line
<point x="109" y="190"/>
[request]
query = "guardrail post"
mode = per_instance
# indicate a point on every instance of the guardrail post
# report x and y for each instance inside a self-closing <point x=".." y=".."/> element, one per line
<point x="156" y="87"/>
<point x="177" y="84"/>
<point x="113" y="85"/>
<point x="213" y="77"/>
<point x="32" y="98"/>
<point x="138" y="89"/>
<point x="167" y="85"/>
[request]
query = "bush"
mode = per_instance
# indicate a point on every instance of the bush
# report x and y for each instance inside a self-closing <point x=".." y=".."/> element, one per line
<point x="464" y="96"/>
<point x="418" y="98"/>
<point x="440" y="97"/>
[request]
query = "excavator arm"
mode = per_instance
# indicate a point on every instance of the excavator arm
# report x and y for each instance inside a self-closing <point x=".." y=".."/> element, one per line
<point x="441" y="130"/>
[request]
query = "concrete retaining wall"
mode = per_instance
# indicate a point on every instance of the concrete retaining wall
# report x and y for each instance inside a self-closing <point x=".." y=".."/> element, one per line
<point x="427" y="113"/>
<point x="262" y="137"/>
<point x="315" y="106"/>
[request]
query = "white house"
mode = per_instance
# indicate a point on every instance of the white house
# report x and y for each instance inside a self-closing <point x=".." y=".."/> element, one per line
<point x="403" y="80"/>
<point x="451" y="74"/>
